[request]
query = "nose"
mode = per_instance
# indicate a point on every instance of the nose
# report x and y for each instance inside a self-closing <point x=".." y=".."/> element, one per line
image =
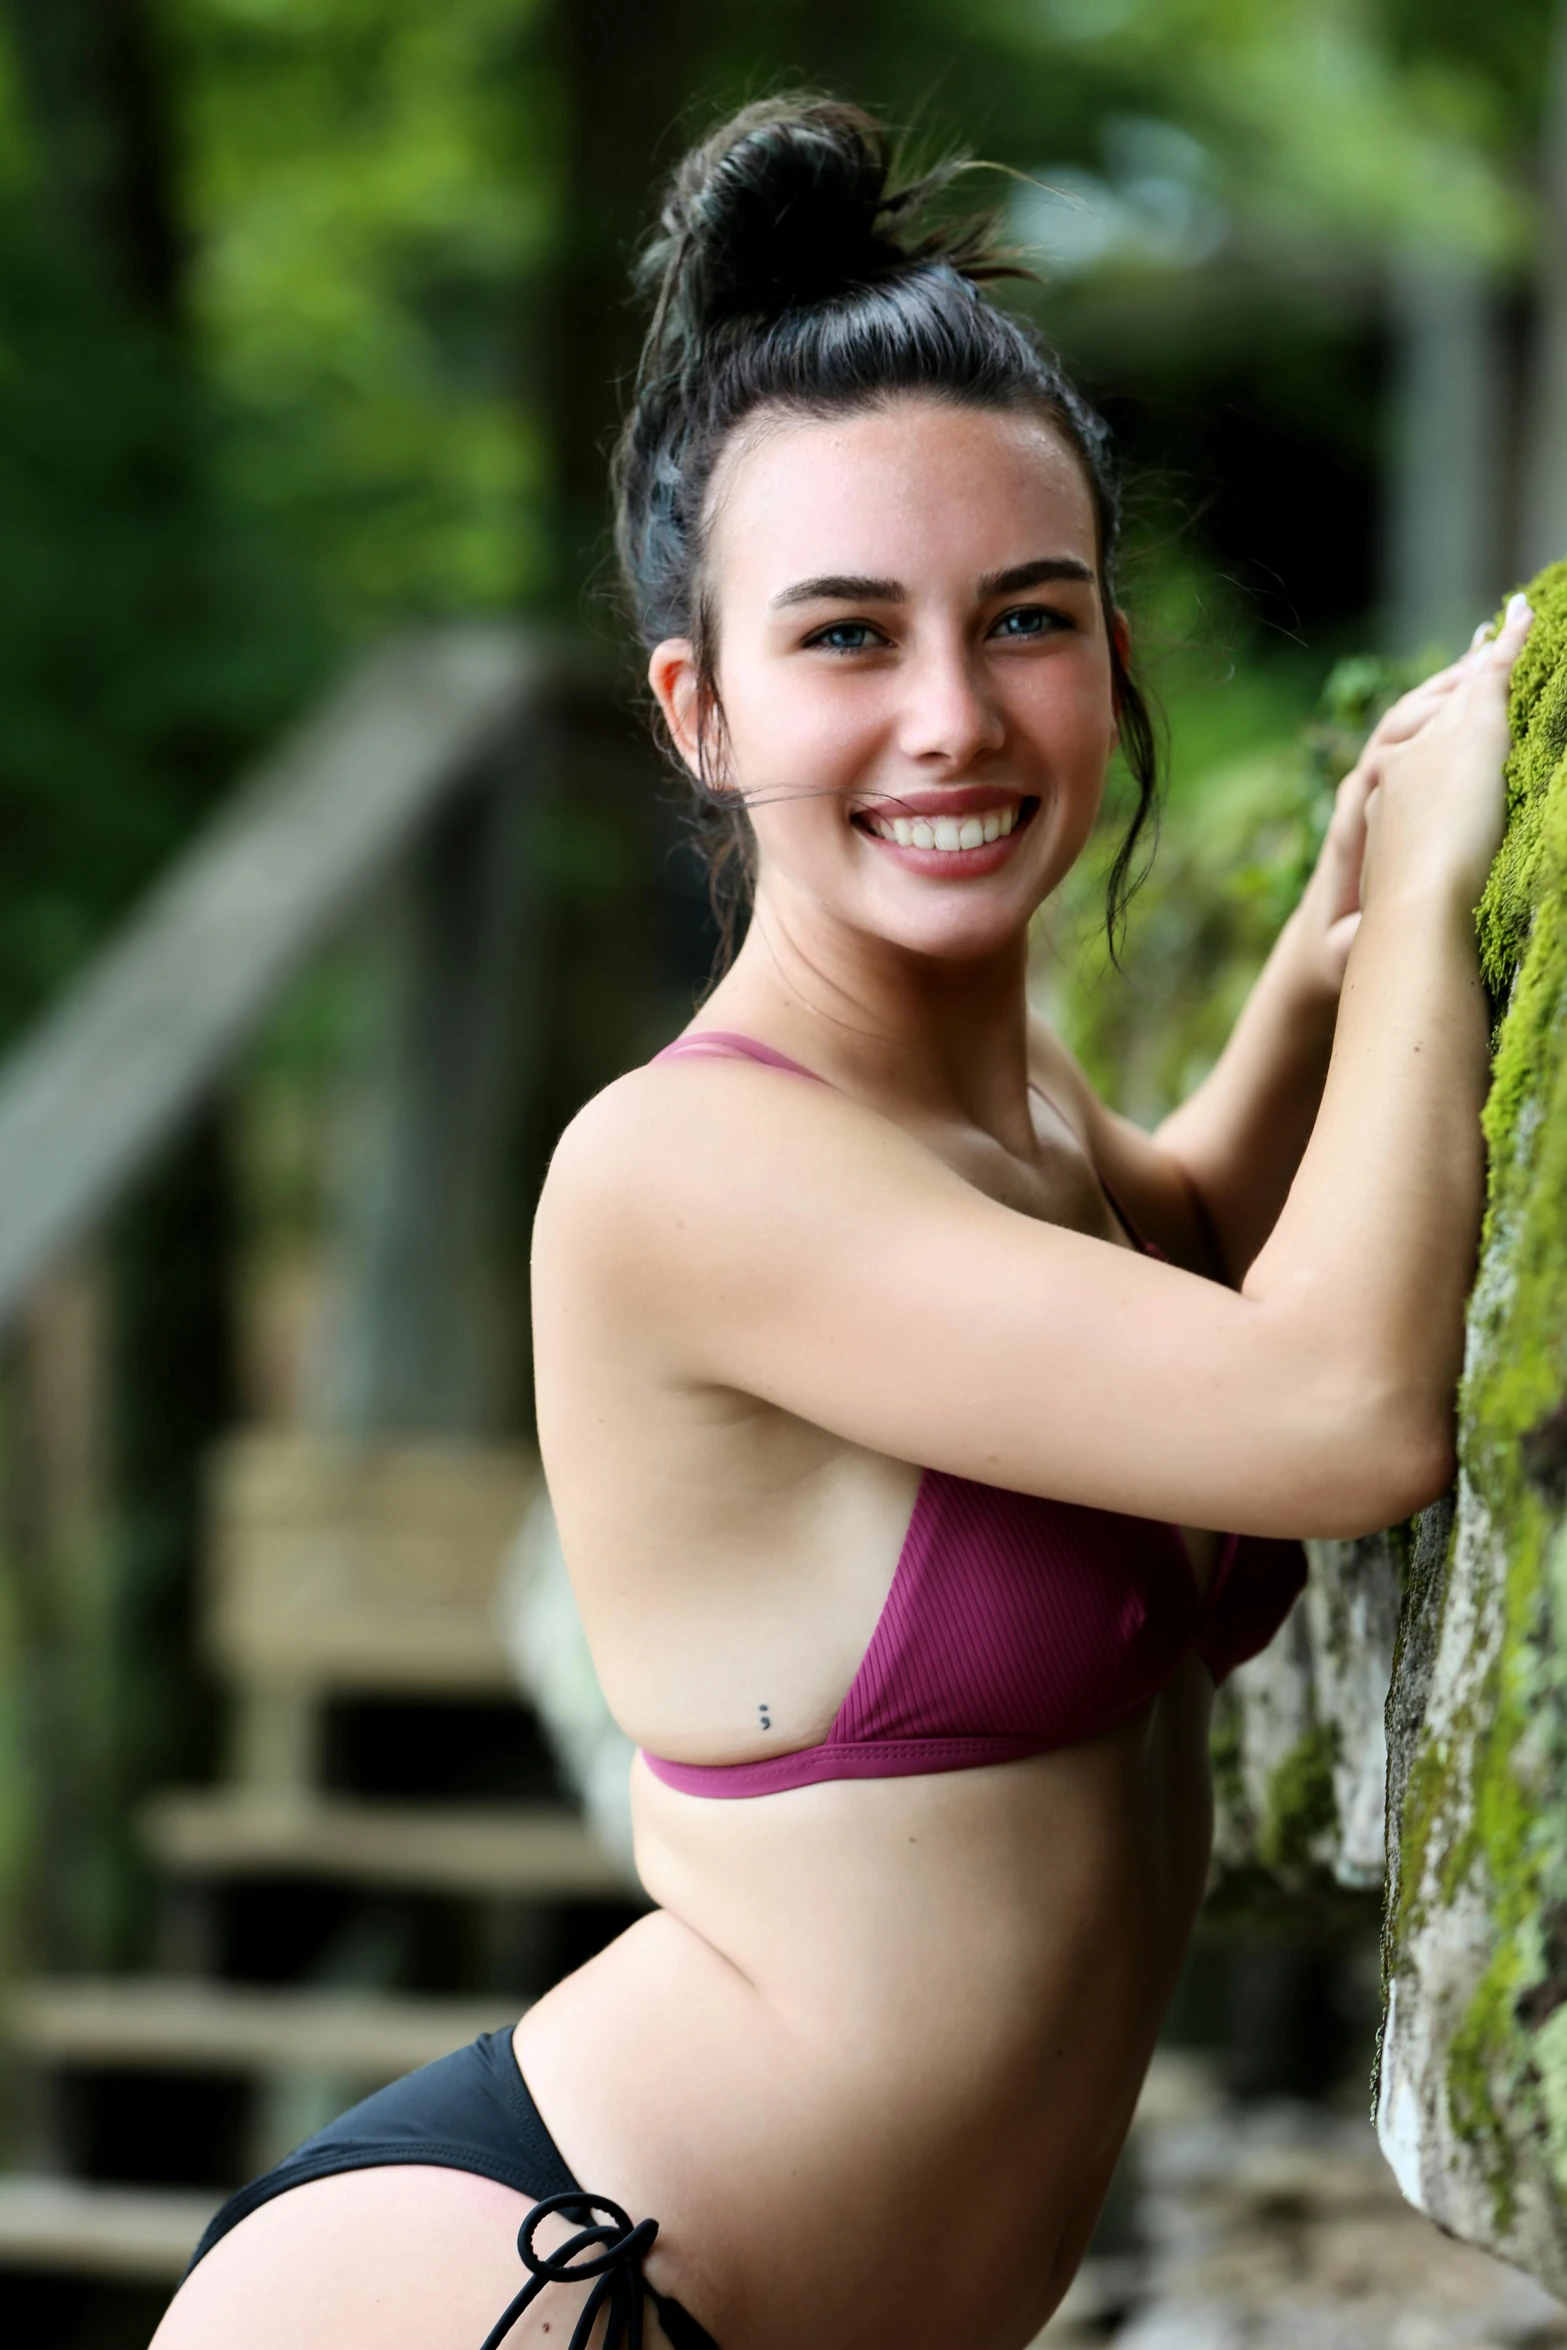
<point x="949" y="716"/>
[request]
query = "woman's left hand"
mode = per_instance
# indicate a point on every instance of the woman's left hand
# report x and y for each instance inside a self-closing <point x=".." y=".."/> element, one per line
<point x="1328" y="915"/>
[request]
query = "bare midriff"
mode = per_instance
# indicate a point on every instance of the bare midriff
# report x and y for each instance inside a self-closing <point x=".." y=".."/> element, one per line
<point x="872" y="2059"/>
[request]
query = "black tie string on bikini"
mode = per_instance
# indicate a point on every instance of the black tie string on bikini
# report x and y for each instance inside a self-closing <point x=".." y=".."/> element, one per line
<point x="616" y="2270"/>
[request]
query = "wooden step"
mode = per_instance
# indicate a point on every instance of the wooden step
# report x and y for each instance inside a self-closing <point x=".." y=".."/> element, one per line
<point x="195" y="2026"/>
<point x="362" y="1566"/>
<point x="540" y="1850"/>
<point x="130" y="2232"/>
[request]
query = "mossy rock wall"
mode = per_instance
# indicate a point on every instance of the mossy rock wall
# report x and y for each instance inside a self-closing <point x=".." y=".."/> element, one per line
<point x="1299" y="1752"/>
<point x="1469" y="1771"/>
<point x="1472" y="2091"/>
<point x="1300" y="1761"/>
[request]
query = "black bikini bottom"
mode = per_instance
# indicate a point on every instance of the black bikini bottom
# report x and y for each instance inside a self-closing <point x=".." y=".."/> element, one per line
<point x="472" y="2112"/>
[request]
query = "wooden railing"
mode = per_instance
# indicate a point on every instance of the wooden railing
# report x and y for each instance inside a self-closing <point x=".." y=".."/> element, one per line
<point x="352" y="1556"/>
<point x="92" y="1093"/>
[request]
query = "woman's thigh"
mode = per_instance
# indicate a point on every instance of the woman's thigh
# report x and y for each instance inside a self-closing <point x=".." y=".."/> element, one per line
<point x="402" y="2258"/>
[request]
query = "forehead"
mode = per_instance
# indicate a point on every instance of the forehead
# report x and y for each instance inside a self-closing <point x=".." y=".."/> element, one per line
<point x="916" y="489"/>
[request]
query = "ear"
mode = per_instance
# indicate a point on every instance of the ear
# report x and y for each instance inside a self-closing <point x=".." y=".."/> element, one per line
<point x="672" y="673"/>
<point x="1121" y="638"/>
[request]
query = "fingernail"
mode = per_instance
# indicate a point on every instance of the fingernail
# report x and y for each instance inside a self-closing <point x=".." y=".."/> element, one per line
<point x="1480" y="635"/>
<point x="1519" y="606"/>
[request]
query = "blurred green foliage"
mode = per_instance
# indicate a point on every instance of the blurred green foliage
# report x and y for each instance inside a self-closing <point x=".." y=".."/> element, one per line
<point x="375" y="197"/>
<point x="150" y="636"/>
<point x="1240" y="834"/>
<point x="368" y="183"/>
<point x="1315" y="128"/>
<point x="196" y="523"/>
<point x="382" y="390"/>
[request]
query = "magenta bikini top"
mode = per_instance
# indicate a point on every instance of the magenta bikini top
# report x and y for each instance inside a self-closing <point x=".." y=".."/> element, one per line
<point x="1014" y="1624"/>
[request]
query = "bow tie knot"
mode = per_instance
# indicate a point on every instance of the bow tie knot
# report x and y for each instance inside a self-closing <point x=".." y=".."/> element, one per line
<point x="607" y="2252"/>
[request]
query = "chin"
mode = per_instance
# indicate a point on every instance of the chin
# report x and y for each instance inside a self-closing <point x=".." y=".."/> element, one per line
<point x="954" y="934"/>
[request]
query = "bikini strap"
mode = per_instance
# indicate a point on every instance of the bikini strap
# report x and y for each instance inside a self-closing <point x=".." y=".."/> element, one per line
<point x="607" y="2251"/>
<point x="727" y="1044"/>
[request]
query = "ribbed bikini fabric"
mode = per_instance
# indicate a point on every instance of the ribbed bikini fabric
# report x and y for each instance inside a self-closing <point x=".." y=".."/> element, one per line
<point x="1014" y="1624"/>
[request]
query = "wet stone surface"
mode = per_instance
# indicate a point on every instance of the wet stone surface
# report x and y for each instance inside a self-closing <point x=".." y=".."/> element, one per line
<point x="1278" y="2226"/>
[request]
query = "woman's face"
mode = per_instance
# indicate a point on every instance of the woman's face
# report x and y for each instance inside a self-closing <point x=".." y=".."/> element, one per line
<point x="912" y="664"/>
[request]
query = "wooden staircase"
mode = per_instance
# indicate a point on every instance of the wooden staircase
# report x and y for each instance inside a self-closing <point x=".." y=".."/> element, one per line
<point x="352" y="1548"/>
<point x="335" y="1569"/>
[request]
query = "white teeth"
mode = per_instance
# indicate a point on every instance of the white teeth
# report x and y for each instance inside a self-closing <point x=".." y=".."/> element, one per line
<point x="948" y="833"/>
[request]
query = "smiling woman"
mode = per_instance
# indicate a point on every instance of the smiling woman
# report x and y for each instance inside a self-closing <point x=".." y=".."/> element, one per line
<point x="941" y="691"/>
<point x="788" y="282"/>
<point x="889" y="1384"/>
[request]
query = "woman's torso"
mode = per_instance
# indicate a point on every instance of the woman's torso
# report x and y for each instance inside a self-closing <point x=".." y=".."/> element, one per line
<point x="882" y="2041"/>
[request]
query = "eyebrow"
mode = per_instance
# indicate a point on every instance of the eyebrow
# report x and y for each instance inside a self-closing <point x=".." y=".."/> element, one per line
<point x="842" y="587"/>
<point x="1038" y="574"/>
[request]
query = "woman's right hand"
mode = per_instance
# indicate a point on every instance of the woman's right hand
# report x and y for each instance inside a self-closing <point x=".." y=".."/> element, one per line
<point x="1431" y="776"/>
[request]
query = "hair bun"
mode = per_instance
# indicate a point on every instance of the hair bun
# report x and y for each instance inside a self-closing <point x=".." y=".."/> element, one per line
<point x="786" y="205"/>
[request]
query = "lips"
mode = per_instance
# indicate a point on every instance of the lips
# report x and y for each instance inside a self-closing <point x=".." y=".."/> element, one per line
<point x="963" y="834"/>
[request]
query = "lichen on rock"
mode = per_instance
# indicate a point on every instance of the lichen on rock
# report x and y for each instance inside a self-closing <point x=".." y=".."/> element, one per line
<point x="1472" y="2088"/>
<point x="1471" y="2096"/>
<point x="1300" y="1766"/>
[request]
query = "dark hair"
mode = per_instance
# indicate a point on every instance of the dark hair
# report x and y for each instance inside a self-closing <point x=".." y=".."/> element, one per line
<point x="787" y="272"/>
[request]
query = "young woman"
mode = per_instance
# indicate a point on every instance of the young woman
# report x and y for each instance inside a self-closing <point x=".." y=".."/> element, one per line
<point x="886" y="1378"/>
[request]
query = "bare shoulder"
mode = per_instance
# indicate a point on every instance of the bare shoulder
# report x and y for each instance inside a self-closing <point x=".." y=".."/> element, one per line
<point x="673" y="1162"/>
<point x="713" y="1229"/>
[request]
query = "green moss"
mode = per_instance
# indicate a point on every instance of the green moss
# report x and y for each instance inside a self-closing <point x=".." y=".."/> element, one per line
<point x="1479" y="2122"/>
<point x="1518" y="882"/>
<point x="1301" y="1806"/>
<point x="1487" y="1807"/>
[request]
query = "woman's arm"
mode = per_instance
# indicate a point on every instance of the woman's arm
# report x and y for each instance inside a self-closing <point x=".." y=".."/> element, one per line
<point x="1238" y="1140"/>
<point x="711" y="1233"/>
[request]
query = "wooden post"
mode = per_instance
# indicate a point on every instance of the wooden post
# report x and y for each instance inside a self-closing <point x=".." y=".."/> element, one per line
<point x="1542" y="521"/>
<point x="1445" y="555"/>
<point x="426" y="1327"/>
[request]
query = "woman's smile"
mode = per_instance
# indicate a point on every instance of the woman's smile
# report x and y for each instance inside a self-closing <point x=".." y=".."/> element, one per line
<point x="953" y="835"/>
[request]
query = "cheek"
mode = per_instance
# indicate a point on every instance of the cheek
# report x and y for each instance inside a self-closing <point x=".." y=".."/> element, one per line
<point x="816" y="730"/>
<point x="1068" y="715"/>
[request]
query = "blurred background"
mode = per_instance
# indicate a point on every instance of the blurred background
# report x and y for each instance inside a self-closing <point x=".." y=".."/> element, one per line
<point x="335" y="872"/>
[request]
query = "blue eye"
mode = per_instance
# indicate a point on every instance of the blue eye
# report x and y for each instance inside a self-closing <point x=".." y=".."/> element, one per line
<point x="846" y="636"/>
<point x="1028" y="620"/>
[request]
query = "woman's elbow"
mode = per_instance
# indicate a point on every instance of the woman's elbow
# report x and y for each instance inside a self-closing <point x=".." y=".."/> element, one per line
<point x="1426" y="1463"/>
<point x="1392" y="1461"/>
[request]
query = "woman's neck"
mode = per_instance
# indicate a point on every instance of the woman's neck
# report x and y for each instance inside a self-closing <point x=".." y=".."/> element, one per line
<point x="944" y="1036"/>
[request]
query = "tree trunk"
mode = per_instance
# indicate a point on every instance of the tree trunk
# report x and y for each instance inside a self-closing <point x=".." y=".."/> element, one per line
<point x="1543" y="520"/>
<point x="626" y="75"/>
<point x="98" y="102"/>
<point x="1444" y="553"/>
<point x="637" y="85"/>
<point x="426" y="1321"/>
<point x="97" y="99"/>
